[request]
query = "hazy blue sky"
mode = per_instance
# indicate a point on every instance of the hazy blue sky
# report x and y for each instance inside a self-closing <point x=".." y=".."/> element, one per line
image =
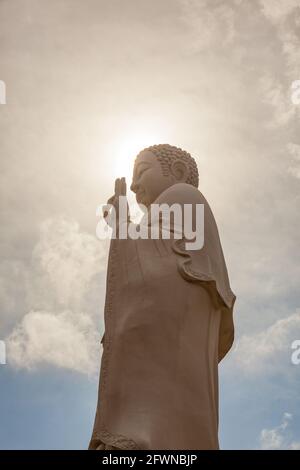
<point x="89" y="83"/>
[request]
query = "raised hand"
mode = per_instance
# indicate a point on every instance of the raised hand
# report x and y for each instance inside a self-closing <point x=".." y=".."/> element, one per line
<point x="120" y="190"/>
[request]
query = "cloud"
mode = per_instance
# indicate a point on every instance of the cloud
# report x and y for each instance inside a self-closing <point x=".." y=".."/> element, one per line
<point x="278" y="95"/>
<point x="268" y="351"/>
<point x="210" y="25"/>
<point x="277" y="10"/>
<point x="63" y="339"/>
<point x="294" y="152"/>
<point x="69" y="258"/>
<point x="277" y="438"/>
<point x="285" y="17"/>
<point x="60" y="325"/>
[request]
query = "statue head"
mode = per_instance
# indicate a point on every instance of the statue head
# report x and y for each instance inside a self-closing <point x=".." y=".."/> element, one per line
<point x="158" y="167"/>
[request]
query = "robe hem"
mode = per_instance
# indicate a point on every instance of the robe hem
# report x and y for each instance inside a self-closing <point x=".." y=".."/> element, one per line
<point x="116" y="440"/>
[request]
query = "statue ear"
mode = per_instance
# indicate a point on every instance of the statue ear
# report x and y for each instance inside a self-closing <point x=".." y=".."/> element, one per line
<point x="180" y="170"/>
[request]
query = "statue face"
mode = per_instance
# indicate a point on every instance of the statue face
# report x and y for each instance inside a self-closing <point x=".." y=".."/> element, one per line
<point x="148" y="180"/>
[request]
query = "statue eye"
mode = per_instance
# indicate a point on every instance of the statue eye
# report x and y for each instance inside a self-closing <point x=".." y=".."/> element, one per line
<point x="142" y="171"/>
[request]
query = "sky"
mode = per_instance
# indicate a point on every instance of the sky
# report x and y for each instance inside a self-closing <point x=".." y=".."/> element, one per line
<point x="89" y="84"/>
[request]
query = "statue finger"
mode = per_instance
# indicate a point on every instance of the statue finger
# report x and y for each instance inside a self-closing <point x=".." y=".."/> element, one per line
<point x="117" y="187"/>
<point x="123" y="186"/>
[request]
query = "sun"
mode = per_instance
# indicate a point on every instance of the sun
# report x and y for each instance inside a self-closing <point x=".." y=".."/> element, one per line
<point x="126" y="151"/>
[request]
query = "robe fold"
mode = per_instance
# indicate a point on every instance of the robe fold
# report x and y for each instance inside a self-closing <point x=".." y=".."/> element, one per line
<point x="168" y="323"/>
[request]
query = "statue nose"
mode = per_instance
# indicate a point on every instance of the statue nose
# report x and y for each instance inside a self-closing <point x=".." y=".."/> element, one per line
<point x="134" y="187"/>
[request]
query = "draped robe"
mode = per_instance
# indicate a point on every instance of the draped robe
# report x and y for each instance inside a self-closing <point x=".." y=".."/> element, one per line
<point x="168" y="323"/>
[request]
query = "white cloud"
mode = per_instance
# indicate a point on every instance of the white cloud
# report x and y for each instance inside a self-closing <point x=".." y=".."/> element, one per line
<point x="269" y="350"/>
<point x="63" y="339"/>
<point x="69" y="257"/>
<point x="60" y="327"/>
<point x="277" y="438"/>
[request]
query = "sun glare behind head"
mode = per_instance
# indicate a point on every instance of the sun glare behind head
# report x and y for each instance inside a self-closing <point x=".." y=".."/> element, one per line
<point x="127" y="151"/>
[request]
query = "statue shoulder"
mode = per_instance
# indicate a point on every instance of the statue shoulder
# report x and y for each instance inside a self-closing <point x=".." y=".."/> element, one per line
<point x="182" y="193"/>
